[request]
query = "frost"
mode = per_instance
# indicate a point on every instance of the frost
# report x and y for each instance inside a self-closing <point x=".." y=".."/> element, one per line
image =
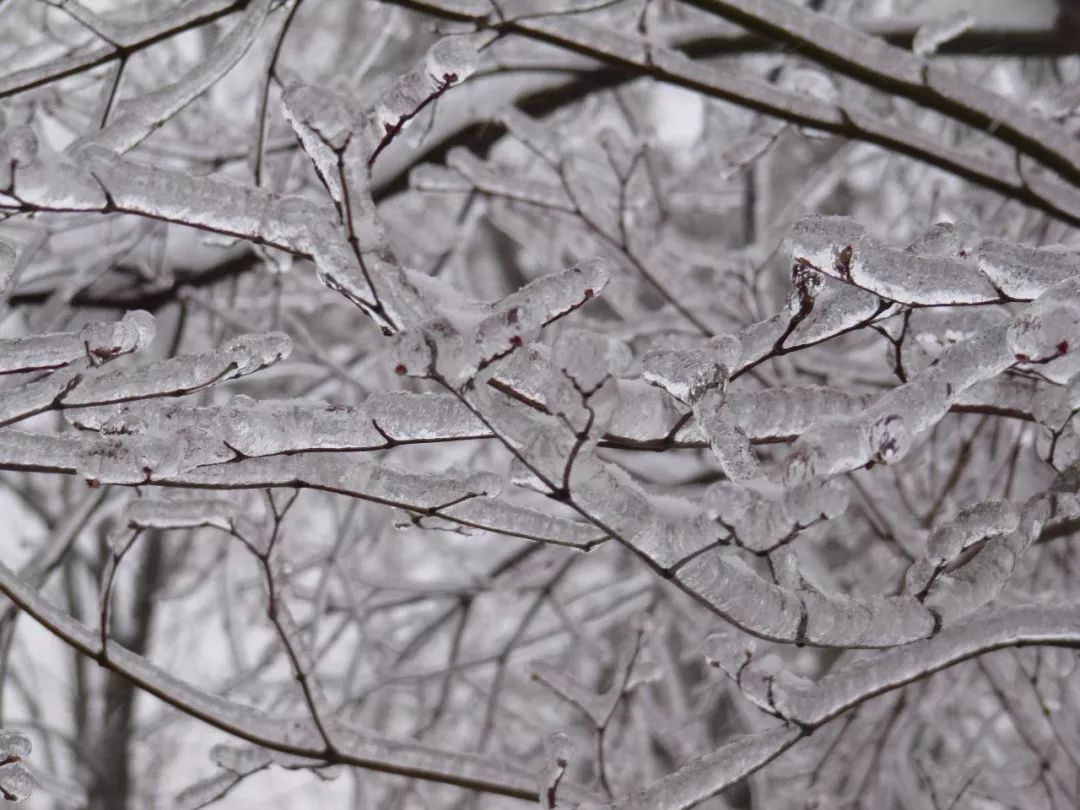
<point x="932" y="35"/>
<point x="21" y="146"/>
<point x="106" y="340"/>
<point x="249" y="353"/>
<point x="805" y="81"/>
<point x="135" y="119"/>
<point x="532" y="133"/>
<point x="448" y="62"/>
<point x="104" y="460"/>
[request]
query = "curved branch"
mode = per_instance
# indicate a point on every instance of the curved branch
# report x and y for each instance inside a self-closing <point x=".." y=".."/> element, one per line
<point x="355" y="748"/>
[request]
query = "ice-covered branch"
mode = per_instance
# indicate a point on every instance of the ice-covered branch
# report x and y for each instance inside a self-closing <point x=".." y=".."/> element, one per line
<point x="886" y="430"/>
<point x="96" y="342"/>
<point x="127" y="39"/>
<point x="806" y="706"/>
<point x="299" y="738"/>
<point x="874" y="62"/>
<point x="649" y="59"/>
<point x="137" y="118"/>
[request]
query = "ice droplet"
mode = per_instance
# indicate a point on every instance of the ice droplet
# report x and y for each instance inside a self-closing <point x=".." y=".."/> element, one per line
<point x="16" y="782"/>
<point x="14" y="744"/>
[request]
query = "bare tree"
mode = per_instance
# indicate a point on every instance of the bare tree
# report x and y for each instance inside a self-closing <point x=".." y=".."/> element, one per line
<point x="601" y="404"/>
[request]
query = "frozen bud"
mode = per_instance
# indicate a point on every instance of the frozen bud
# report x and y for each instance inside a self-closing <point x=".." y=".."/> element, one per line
<point x="22" y="145"/>
<point x="108" y="340"/>
<point x="1044" y="331"/>
<point x="412" y="353"/>
<point x="252" y="352"/>
<point x="451" y="59"/>
<point x="729" y="651"/>
<point x="888" y="438"/>
<point x="726" y="350"/>
<point x="557" y="750"/>
<point x="14" y="744"/>
<point x="806" y="283"/>
<point x="558" y="747"/>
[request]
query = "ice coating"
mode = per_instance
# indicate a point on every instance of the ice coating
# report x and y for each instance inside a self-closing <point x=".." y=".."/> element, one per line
<point x="686" y="374"/>
<point x="244" y="355"/>
<point x="106" y="340"/>
<point x="761" y="523"/>
<point x="986" y="519"/>
<point x="472" y="335"/>
<point x="589" y="357"/>
<point x="97" y="341"/>
<point x="884" y="431"/>
<point x="788" y="411"/>
<point x="932" y="35"/>
<point x="728" y="441"/>
<point x="841" y="248"/>
<point x="707" y="775"/>
<point x="8" y="258"/>
<point x="1025" y="272"/>
<point x="160" y="513"/>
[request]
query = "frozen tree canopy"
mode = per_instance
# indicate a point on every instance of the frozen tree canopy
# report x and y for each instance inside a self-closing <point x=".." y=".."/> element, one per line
<point x="640" y="405"/>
